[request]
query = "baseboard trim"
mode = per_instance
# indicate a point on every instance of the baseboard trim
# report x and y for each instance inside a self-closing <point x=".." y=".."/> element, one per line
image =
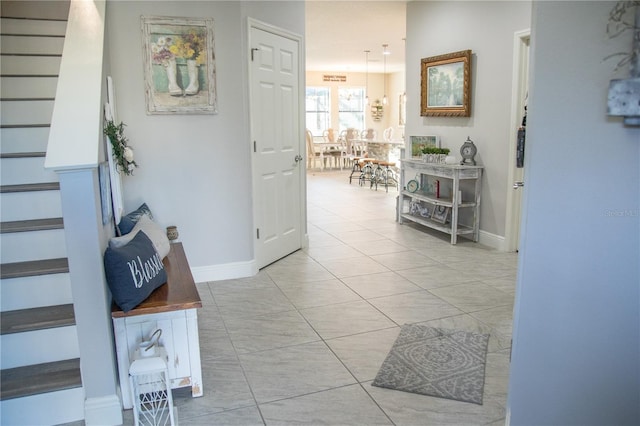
<point x="225" y="271"/>
<point x="104" y="410"/>
<point x="492" y="240"/>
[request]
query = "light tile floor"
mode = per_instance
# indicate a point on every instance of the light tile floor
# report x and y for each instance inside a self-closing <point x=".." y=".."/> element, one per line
<point x="301" y="342"/>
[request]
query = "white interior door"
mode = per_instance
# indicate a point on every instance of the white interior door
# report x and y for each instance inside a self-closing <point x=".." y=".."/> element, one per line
<point x="278" y="166"/>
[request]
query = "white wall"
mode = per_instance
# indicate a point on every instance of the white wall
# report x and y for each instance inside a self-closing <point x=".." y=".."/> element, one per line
<point x="575" y="357"/>
<point x="487" y="28"/>
<point x="195" y="170"/>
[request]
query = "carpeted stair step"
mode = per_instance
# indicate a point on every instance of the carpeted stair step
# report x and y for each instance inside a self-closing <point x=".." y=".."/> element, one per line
<point x="33" y="268"/>
<point x="31" y="225"/>
<point x="30" y="187"/>
<point x="23" y="320"/>
<point x="41" y="378"/>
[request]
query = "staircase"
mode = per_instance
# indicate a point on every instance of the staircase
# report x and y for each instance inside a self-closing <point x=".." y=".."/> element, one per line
<point x="40" y="382"/>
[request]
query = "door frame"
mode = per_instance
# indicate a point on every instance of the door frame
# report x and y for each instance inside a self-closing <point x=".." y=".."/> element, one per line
<point x="260" y="25"/>
<point x="521" y="47"/>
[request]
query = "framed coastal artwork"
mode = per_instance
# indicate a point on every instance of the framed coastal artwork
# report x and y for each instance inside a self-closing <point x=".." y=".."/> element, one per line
<point x="179" y="65"/>
<point x="446" y="85"/>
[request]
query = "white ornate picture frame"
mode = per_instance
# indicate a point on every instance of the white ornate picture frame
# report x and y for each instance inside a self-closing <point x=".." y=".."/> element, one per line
<point x="179" y="65"/>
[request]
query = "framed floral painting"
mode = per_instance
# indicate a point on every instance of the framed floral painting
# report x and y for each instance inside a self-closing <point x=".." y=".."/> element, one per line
<point x="179" y="65"/>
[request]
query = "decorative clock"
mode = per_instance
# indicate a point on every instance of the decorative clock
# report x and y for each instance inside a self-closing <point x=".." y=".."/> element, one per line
<point x="468" y="151"/>
<point x="413" y="185"/>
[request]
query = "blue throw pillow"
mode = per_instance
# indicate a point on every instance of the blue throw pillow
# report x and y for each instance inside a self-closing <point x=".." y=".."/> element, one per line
<point x="133" y="271"/>
<point x="129" y="221"/>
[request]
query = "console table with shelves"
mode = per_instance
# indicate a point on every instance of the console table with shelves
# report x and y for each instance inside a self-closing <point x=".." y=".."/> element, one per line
<point x="447" y="197"/>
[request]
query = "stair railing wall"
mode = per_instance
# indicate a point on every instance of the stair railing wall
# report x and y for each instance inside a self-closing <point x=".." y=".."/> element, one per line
<point x="75" y="151"/>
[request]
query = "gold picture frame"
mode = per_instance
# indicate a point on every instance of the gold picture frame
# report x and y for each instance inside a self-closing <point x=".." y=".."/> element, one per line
<point x="446" y="85"/>
<point x="179" y="65"/>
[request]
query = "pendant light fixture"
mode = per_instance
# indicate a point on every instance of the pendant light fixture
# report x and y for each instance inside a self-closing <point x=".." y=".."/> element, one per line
<point x="366" y="65"/>
<point x="384" y="76"/>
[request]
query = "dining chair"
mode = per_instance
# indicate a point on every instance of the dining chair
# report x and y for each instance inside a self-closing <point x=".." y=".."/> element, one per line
<point x="329" y="135"/>
<point x="313" y="154"/>
<point x="387" y="135"/>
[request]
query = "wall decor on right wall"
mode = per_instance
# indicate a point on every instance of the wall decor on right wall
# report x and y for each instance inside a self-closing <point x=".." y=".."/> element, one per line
<point x="446" y="85"/>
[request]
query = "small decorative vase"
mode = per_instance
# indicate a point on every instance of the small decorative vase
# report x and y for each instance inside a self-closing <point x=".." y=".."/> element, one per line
<point x="172" y="233"/>
<point x="192" y="71"/>
<point x="170" y="68"/>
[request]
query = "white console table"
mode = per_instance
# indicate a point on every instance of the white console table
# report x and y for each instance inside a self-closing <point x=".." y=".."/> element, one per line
<point x="454" y="196"/>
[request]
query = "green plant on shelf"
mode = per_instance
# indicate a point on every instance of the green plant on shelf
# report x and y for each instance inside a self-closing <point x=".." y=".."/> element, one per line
<point x="434" y="150"/>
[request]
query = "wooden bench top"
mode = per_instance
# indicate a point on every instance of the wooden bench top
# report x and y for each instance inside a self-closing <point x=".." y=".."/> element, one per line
<point x="178" y="293"/>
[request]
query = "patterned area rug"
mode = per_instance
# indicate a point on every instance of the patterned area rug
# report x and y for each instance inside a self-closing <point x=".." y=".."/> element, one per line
<point x="437" y="362"/>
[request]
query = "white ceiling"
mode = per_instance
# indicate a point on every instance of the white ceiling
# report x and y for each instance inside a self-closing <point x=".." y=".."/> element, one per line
<point x="338" y="33"/>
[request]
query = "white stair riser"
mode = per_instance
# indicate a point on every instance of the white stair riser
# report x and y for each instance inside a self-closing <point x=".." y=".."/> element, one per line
<point x="28" y="87"/>
<point x="35" y="245"/>
<point x="29" y="65"/>
<point x="30" y="205"/>
<point x="52" y="408"/>
<point x="37" y="347"/>
<point x="34" y="27"/>
<point x="14" y="171"/>
<point x="33" y="139"/>
<point x="32" y="45"/>
<point x="34" y="292"/>
<point x="26" y="112"/>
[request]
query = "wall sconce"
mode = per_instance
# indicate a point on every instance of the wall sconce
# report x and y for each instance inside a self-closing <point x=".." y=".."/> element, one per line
<point x="377" y="110"/>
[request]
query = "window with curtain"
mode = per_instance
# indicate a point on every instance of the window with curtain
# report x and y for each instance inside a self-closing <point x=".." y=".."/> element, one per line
<point x="318" y="109"/>
<point x="351" y="107"/>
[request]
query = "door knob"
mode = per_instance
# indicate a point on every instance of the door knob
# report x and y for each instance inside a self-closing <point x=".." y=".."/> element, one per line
<point x="517" y="185"/>
<point x="298" y="158"/>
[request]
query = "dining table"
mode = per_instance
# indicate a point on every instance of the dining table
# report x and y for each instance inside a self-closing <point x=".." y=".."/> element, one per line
<point x="328" y="150"/>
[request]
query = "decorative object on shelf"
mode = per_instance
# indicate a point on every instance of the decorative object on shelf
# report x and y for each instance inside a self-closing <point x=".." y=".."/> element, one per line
<point x="172" y="233"/>
<point x="446" y="85"/>
<point x="440" y="213"/>
<point x="468" y="151"/>
<point x="413" y="185"/>
<point x="179" y="64"/>
<point x="450" y="160"/>
<point x="377" y="110"/>
<point x="434" y="155"/>
<point x="417" y="209"/>
<point x="418" y="143"/>
<point x="624" y="94"/>
<point x="122" y="152"/>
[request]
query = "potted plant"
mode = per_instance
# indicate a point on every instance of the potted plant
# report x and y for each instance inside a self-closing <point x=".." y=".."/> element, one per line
<point x="431" y="154"/>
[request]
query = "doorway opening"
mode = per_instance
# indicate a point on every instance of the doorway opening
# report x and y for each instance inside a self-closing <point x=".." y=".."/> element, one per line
<point x="520" y="91"/>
